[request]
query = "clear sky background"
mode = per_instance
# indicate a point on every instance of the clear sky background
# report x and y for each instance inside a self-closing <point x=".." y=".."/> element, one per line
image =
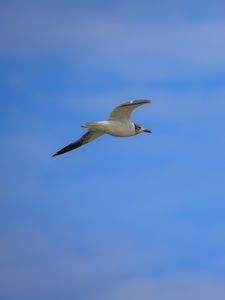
<point x="133" y="218"/>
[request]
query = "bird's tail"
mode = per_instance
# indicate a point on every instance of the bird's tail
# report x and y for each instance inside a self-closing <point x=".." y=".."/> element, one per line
<point x="91" y="125"/>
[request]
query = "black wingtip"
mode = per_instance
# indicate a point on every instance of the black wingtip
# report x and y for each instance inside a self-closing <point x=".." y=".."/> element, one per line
<point x="69" y="147"/>
<point x="62" y="151"/>
<point x="136" y="102"/>
<point x="144" y="101"/>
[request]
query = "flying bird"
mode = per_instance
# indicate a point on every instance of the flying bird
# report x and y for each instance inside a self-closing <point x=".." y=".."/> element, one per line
<point x="118" y="124"/>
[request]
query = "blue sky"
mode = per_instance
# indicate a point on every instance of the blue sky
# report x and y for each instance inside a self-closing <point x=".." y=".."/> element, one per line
<point x="134" y="218"/>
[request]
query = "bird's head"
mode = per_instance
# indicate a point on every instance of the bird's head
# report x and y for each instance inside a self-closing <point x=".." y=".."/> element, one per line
<point x="140" y="129"/>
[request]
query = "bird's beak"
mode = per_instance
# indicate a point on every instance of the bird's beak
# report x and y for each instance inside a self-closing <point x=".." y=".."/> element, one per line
<point x="147" y="130"/>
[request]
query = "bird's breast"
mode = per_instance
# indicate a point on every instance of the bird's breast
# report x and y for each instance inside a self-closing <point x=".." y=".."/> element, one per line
<point x="120" y="129"/>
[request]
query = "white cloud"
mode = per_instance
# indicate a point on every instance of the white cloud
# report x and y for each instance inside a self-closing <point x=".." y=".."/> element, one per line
<point x="189" y="286"/>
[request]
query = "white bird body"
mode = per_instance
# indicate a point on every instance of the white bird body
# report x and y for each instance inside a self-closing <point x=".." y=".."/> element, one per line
<point x="114" y="128"/>
<point x="118" y="124"/>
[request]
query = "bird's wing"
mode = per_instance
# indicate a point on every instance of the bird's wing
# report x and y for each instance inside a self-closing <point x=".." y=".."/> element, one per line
<point x="89" y="136"/>
<point x="123" y="111"/>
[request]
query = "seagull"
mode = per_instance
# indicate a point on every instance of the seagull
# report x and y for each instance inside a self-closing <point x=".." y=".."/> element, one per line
<point x="118" y="124"/>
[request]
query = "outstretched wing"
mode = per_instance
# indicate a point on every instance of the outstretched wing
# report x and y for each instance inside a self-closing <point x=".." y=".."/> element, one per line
<point x="123" y="111"/>
<point x="89" y="136"/>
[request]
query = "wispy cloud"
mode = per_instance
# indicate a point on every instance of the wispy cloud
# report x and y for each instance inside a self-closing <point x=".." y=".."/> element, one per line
<point x="54" y="267"/>
<point x="157" y="49"/>
<point x="190" y="286"/>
